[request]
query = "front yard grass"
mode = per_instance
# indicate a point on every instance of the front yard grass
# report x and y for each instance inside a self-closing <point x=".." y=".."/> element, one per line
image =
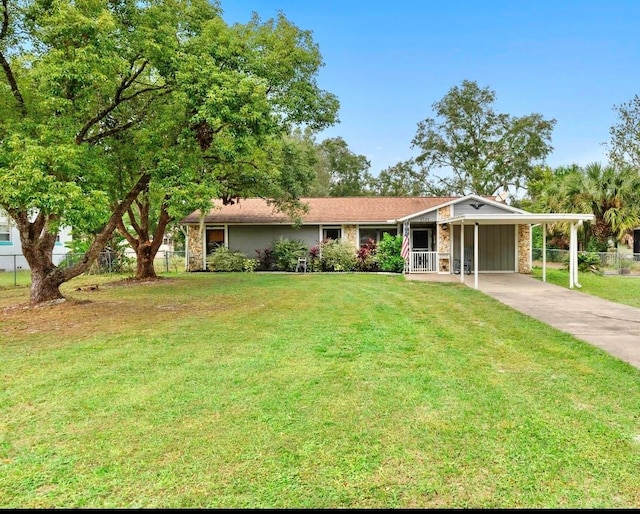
<point x="617" y="288"/>
<point x="315" y="390"/>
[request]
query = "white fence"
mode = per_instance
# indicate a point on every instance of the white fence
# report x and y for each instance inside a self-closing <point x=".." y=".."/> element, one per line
<point x="423" y="262"/>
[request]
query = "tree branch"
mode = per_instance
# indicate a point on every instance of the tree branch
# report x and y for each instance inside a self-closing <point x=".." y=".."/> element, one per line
<point x="132" y="220"/>
<point x="103" y="236"/>
<point x="158" y="234"/>
<point x="118" y="99"/>
<point x="5" y="19"/>
<point x="13" y="84"/>
<point x="123" y="230"/>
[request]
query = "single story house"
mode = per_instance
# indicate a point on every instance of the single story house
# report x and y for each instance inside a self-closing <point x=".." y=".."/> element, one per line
<point x="490" y="235"/>
<point x="11" y="257"/>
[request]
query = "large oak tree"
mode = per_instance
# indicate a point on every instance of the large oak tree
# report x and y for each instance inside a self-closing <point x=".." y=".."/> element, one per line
<point x="476" y="149"/>
<point x="113" y="107"/>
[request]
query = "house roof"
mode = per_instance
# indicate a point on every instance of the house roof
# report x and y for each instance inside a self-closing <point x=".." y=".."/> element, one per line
<point x="360" y="209"/>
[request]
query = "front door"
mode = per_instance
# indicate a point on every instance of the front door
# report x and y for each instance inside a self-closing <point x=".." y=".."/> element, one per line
<point x="421" y="239"/>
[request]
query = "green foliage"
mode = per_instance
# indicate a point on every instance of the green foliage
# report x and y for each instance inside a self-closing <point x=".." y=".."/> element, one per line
<point x="484" y="151"/>
<point x="250" y="265"/>
<point x="403" y="179"/>
<point x="587" y="262"/>
<point x="367" y="256"/>
<point x="337" y="255"/>
<point x="107" y="100"/>
<point x="611" y="193"/>
<point x="287" y="252"/>
<point x="389" y="257"/>
<point x="593" y="245"/>
<point x="223" y="259"/>
<point x="339" y="171"/>
<point x="625" y="144"/>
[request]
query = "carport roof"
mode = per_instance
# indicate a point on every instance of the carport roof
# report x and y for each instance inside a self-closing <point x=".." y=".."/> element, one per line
<point x="519" y="219"/>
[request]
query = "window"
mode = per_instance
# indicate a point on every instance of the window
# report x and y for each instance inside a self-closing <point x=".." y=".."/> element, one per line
<point x="215" y="238"/>
<point x="375" y="233"/>
<point x="332" y="233"/>
<point x="5" y="231"/>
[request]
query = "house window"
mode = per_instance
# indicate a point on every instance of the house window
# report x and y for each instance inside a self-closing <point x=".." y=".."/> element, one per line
<point x="5" y="231"/>
<point x="375" y="233"/>
<point x="215" y="239"/>
<point x="332" y="233"/>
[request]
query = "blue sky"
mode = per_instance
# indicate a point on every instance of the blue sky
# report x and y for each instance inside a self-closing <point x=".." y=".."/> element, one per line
<point x="388" y="62"/>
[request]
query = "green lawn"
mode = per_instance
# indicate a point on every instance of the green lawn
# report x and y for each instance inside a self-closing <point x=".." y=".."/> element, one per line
<point x="317" y="390"/>
<point x="10" y="279"/>
<point x="617" y="288"/>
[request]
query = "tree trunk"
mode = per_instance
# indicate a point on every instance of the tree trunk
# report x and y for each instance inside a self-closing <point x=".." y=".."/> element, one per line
<point x="38" y="243"/>
<point x="145" y="256"/>
<point x="45" y="286"/>
<point x="145" y="245"/>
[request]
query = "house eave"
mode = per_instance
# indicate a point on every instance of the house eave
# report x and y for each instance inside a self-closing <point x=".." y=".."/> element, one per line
<point x="519" y="219"/>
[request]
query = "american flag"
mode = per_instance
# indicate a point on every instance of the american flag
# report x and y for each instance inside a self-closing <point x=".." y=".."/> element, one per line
<point x="404" y="251"/>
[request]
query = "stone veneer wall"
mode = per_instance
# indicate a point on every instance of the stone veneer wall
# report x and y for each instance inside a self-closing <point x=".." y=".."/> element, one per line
<point x="444" y="238"/>
<point x="194" y="237"/>
<point x="350" y="233"/>
<point x="524" y="249"/>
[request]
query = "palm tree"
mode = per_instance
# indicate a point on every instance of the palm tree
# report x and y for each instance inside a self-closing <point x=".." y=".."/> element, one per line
<point x="611" y="194"/>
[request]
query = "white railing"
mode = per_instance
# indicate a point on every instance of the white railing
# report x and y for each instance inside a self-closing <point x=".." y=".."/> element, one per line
<point x="423" y="262"/>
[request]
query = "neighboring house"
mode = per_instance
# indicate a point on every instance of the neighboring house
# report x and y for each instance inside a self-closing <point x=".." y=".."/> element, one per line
<point x="11" y="257"/>
<point x="490" y="235"/>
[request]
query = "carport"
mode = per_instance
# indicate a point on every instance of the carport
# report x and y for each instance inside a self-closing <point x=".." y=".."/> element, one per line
<point x="516" y="219"/>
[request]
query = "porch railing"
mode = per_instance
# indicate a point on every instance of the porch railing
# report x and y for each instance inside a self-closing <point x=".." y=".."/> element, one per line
<point x="423" y="262"/>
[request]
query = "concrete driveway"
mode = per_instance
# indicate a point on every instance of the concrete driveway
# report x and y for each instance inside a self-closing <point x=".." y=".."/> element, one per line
<point x="608" y="325"/>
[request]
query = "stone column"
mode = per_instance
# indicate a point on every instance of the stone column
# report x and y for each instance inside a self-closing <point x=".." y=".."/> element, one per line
<point x="443" y="238"/>
<point x="194" y="238"/>
<point x="350" y="234"/>
<point x="524" y="249"/>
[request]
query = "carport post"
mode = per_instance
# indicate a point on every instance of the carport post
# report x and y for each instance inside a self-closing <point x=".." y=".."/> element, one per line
<point x="572" y="263"/>
<point x="475" y="256"/>
<point x="462" y="252"/>
<point x="544" y="252"/>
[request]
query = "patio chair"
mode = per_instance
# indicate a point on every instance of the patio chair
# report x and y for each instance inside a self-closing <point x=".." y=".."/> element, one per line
<point x="467" y="264"/>
<point x="302" y="265"/>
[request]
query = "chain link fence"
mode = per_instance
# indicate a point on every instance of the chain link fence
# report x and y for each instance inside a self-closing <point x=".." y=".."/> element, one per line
<point x="14" y="269"/>
<point x="612" y="263"/>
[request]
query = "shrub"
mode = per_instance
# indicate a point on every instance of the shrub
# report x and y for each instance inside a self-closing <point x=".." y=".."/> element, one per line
<point x="223" y="259"/>
<point x="314" y="258"/>
<point x="367" y="258"/>
<point x="337" y="255"/>
<point x="250" y="265"/>
<point x="587" y="262"/>
<point x="287" y="252"/>
<point x="389" y="258"/>
<point x="266" y="260"/>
